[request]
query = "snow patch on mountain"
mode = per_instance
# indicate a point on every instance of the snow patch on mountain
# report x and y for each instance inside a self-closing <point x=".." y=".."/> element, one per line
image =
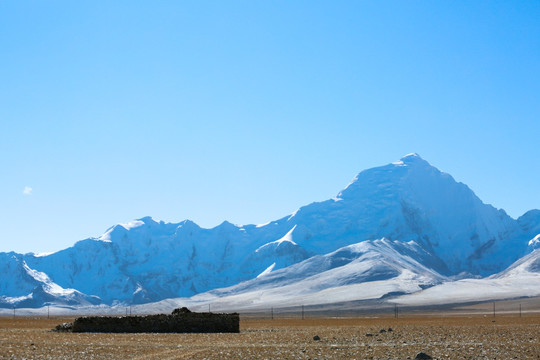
<point x="274" y="255"/>
<point x="287" y="238"/>
<point x="267" y="271"/>
<point x="43" y="254"/>
<point x="534" y="243"/>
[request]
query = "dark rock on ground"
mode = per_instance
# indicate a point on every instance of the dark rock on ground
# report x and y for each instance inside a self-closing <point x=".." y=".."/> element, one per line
<point x="182" y="310"/>
<point x="64" y="327"/>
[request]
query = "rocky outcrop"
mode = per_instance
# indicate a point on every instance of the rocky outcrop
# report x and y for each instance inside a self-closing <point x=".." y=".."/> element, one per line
<point x="180" y="321"/>
<point x="423" y="356"/>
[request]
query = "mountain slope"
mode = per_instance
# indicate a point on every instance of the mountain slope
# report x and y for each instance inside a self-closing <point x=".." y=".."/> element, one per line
<point x="530" y="224"/>
<point x="529" y="264"/>
<point x="367" y="270"/>
<point x="521" y="279"/>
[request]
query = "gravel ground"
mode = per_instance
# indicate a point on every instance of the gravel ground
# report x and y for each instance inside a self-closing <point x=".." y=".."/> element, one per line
<point x="474" y="337"/>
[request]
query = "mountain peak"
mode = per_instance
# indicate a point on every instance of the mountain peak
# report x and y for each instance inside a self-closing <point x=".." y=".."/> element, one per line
<point x="147" y="220"/>
<point x="412" y="156"/>
<point x="227" y="225"/>
<point x="410" y="159"/>
<point x="368" y="181"/>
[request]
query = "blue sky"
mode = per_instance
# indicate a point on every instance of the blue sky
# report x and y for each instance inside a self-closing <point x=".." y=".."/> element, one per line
<point x="246" y="110"/>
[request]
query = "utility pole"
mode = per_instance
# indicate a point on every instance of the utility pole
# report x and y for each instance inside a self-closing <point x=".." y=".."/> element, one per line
<point x="519" y="310"/>
<point x="302" y="312"/>
<point x="272" y="312"/>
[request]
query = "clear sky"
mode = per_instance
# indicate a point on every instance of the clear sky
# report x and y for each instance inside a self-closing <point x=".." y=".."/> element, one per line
<point x="246" y="110"/>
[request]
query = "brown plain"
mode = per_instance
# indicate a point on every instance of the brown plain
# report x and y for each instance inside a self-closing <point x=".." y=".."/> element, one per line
<point x="442" y="337"/>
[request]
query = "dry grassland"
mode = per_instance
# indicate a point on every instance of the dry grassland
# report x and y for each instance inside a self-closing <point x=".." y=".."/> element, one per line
<point x="474" y="337"/>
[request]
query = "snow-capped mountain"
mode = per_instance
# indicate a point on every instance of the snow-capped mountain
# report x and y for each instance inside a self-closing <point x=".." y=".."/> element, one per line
<point x="405" y="201"/>
<point x="412" y="200"/>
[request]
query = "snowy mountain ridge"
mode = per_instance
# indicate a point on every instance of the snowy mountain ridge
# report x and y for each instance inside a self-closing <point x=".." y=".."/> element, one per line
<point x="432" y="224"/>
<point x="392" y="262"/>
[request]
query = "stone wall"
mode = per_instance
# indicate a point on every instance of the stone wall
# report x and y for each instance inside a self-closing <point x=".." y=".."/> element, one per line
<point x="180" y="321"/>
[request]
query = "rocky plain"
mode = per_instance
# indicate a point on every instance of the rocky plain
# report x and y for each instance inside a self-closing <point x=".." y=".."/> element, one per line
<point x="437" y="336"/>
